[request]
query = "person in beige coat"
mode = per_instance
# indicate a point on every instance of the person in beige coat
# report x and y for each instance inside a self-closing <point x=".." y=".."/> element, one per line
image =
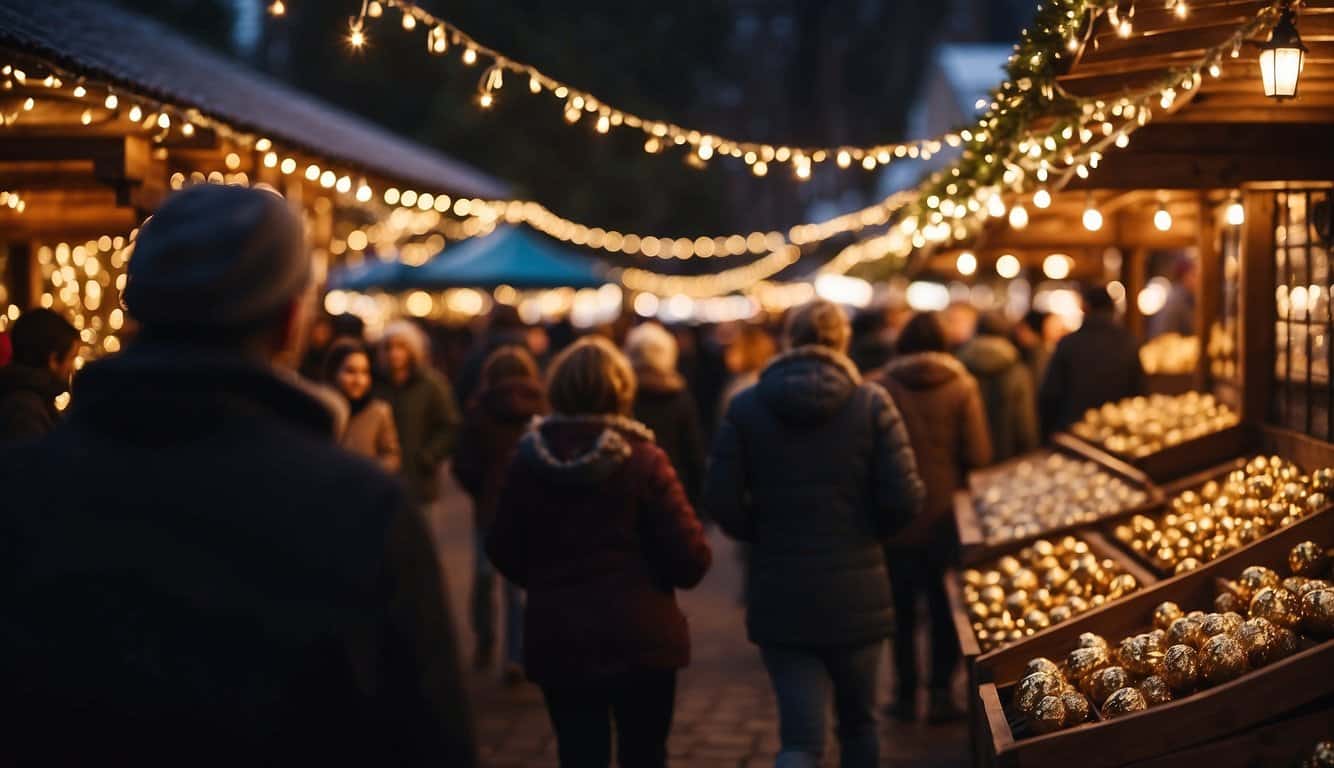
<point x="370" y="430"/>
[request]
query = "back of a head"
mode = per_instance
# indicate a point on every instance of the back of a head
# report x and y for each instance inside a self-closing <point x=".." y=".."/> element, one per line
<point x="504" y="317"/>
<point x="411" y="336"/>
<point x="38" y="335"/>
<point x="923" y="333"/>
<point x="348" y="326"/>
<point x="1097" y="299"/>
<point x="591" y="377"/>
<point x="1035" y="319"/>
<point x="993" y="324"/>
<point x="652" y="347"/>
<point x="506" y="363"/>
<point x="820" y="323"/>
<point x="217" y="265"/>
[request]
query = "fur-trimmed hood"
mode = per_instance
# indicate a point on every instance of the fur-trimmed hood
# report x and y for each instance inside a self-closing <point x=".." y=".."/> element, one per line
<point x="988" y="356"/>
<point x="924" y="370"/>
<point x="581" y="450"/>
<point x="806" y="385"/>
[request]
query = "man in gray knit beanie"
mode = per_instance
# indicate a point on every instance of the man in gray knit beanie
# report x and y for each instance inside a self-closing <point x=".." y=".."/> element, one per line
<point x="222" y="585"/>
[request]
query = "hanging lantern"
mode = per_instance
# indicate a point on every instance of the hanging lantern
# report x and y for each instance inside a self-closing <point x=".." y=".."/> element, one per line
<point x="1282" y="57"/>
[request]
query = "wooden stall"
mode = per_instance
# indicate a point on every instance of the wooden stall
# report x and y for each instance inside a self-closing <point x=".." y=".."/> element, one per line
<point x="1248" y="186"/>
<point x="103" y="113"/>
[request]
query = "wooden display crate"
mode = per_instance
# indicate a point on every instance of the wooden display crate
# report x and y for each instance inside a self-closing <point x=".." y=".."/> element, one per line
<point x="1208" y="715"/>
<point x="1284" y="742"/>
<point x="1174" y="462"/>
<point x="1098" y="545"/>
<point x="973" y="547"/>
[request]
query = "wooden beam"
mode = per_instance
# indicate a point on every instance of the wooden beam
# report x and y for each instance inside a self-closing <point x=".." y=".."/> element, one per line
<point x="1258" y="305"/>
<point x="1134" y="267"/>
<point x="1193" y="171"/>
<point x="1209" y="270"/>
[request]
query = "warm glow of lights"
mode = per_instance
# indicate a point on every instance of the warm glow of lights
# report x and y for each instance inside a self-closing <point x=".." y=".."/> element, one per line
<point x="1007" y="266"/>
<point x="1162" y="219"/>
<point x="277" y="8"/>
<point x="1018" y="216"/>
<point x="1153" y="297"/>
<point x="1042" y="198"/>
<point x="419" y="304"/>
<point x="1057" y="266"/>
<point x="1236" y="213"/>
<point x="1092" y="219"/>
<point x="966" y="263"/>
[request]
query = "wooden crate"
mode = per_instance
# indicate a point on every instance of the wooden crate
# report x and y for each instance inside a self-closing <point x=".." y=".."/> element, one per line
<point x="968" y="645"/>
<point x="1209" y="715"/>
<point x="1179" y="460"/>
<point x="973" y="548"/>
<point x="1129" y="615"/>
<point x="1285" y="742"/>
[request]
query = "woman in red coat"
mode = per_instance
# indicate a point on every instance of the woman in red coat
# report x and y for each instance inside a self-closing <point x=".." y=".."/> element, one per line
<point x="595" y="525"/>
<point x="508" y="397"/>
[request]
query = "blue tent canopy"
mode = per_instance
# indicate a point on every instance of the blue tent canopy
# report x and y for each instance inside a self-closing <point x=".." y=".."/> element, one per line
<point x="512" y="256"/>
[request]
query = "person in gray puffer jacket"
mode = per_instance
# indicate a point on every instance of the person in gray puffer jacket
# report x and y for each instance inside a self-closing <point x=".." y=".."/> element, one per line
<point x="814" y="470"/>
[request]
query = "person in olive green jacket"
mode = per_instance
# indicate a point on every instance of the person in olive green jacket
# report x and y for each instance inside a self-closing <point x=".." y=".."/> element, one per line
<point x="425" y="413"/>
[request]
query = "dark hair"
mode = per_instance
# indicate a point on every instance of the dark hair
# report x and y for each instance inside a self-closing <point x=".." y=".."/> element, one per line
<point x="508" y="362"/>
<point x="993" y="324"/>
<point x="340" y="351"/>
<point x="504" y="317"/>
<point x="1035" y="319"/>
<point x="1097" y="299"/>
<point x="922" y="334"/>
<point x="348" y="325"/>
<point x="820" y="323"/>
<point x="40" y="333"/>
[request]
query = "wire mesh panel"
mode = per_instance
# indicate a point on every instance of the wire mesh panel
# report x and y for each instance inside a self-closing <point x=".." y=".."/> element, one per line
<point x="1303" y="351"/>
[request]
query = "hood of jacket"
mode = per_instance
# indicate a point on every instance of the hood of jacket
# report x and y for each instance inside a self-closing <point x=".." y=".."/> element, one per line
<point x="581" y="450"/>
<point x="22" y="378"/>
<point x="514" y="400"/>
<point x="153" y="376"/>
<point x="924" y="370"/>
<point x="807" y="385"/>
<point x="988" y="355"/>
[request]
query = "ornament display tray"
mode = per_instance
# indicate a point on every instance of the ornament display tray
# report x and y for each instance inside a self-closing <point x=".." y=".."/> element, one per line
<point x="1208" y="715"/>
<point x="973" y="546"/>
<point x="1170" y="463"/>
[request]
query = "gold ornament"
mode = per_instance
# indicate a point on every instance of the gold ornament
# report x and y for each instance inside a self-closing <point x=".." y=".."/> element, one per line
<point x="1228" y="602"/>
<point x="1186" y="566"/>
<point x="1141" y="654"/>
<point x="1317" y="610"/>
<point x="1043" y="665"/>
<point x="1165" y="614"/>
<point x="1076" y="707"/>
<point x="1082" y="662"/>
<point x="1220" y="624"/>
<point x="1186" y="631"/>
<point x="1278" y="605"/>
<point x="1124" y="702"/>
<point x="1105" y="681"/>
<point x="1155" y="690"/>
<point x="1091" y="640"/>
<point x="1322" y="480"/>
<point x="1255" y="636"/>
<point x="1181" y="668"/>
<point x="1323" y="754"/>
<point x="1049" y="715"/>
<point x="1253" y="579"/>
<point x="1308" y="559"/>
<point x="1033" y="689"/>
<point x="1221" y="659"/>
<point x="1283" y="646"/>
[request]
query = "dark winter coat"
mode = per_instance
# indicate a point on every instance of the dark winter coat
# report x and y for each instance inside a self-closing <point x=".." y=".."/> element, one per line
<point x="942" y="407"/>
<point x="1007" y="394"/>
<point x="495" y="421"/>
<point x="427" y="420"/>
<point x="1097" y="364"/>
<point x="665" y="406"/>
<point x="814" y="469"/>
<point x="595" y="525"/>
<point x="193" y="573"/>
<point x="27" y="402"/>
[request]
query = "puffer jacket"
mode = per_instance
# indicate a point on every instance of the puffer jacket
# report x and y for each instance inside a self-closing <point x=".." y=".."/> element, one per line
<point x="814" y="469"/>
<point x="594" y="524"/>
<point x="497" y="417"/>
<point x="942" y="407"/>
<point x="665" y="405"/>
<point x="1008" y="394"/>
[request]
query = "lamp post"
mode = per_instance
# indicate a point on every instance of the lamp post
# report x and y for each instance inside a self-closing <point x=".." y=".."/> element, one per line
<point x="1282" y="57"/>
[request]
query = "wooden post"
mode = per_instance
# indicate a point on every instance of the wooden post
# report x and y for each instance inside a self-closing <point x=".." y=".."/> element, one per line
<point x="1258" y="305"/>
<point x="1209" y="270"/>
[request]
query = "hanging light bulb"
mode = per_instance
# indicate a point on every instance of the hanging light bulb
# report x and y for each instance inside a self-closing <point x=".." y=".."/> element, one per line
<point x="356" y="38"/>
<point x="1282" y="57"/>
<point x="1056" y="266"/>
<point x="995" y="206"/>
<point x="409" y="21"/>
<point x="1042" y="198"/>
<point x="966" y="263"/>
<point x="1236" y="212"/>
<point x="277" y="8"/>
<point x="1007" y="266"/>
<point x="1092" y="216"/>
<point x="1162" y="218"/>
<point x="1018" y="216"/>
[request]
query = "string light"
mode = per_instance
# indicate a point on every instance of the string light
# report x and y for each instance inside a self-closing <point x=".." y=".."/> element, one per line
<point x="1092" y="216"/>
<point x="1236" y="212"/>
<point x="277" y="8"/>
<point x="1162" y="218"/>
<point x="966" y="263"/>
<point x="442" y="32"/>
<point x="1007" y="266"/>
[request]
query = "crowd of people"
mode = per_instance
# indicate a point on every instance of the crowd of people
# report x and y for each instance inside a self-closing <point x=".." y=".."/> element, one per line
<point x="244" y="558"/>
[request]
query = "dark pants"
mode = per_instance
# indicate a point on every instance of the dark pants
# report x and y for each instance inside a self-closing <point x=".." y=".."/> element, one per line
<point x="484" y="605"/>
<point x="801" y="679"/>
<point x="914" y="573"/>
<point x="641" y="705"/>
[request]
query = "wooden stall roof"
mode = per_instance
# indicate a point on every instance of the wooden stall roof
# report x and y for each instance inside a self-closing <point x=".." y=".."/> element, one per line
<point x="97" y="40"/>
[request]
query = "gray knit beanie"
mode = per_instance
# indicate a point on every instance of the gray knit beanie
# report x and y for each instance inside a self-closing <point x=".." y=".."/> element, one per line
<point x="216" y="258"/>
